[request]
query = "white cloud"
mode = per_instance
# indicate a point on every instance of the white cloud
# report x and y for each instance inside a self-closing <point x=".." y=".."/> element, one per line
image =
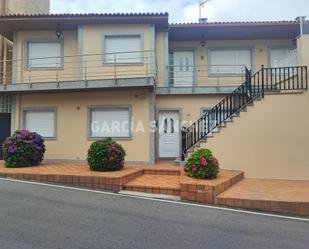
<point x="187" y="10"/>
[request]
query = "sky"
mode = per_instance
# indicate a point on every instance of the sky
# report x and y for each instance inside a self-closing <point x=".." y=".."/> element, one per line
<point x="188" y="10"/>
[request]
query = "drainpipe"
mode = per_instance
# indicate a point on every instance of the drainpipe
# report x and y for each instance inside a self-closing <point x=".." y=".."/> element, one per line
<point x="301" y="20"/>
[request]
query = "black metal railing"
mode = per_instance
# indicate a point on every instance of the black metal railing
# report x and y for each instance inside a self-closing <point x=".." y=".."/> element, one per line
<point x="265" y="80"/>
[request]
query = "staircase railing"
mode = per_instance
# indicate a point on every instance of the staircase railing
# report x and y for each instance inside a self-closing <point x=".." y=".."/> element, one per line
<point x="265" y="80"/>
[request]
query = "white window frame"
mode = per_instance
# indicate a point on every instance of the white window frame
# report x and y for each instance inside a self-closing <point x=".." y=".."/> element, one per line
<point x="212" y="49"/>
<point x="29" y="67"/>
<point x="105" y="52"/>
<point x="44" y="109"/>
<point x="103" y="108"/>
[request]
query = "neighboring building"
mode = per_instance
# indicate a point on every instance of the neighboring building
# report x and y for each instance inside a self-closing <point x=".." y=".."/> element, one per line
<point x="74" y="74"/>
<point x="17" y="7"/>
<point x="25" y="6"/>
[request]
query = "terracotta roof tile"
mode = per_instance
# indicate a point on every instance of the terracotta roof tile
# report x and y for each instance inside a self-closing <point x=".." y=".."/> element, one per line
<point x="235" y="23"/>
<point x="86" y="15"/>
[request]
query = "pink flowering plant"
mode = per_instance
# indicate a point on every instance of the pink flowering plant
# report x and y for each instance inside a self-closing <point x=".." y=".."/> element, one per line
<point x="23" y="149"/>
<point x="106" y="155"/>
<point x="202" y="165"/>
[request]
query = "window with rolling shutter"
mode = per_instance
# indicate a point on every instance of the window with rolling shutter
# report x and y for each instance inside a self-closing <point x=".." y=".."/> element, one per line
<point x="123" y="49"/>
<point x="44" y="55"/>
<point x="283" y="57"/>
<point x="40" y="121"/>
<point x="109" y="122"/>
<point x="229" y="61"/>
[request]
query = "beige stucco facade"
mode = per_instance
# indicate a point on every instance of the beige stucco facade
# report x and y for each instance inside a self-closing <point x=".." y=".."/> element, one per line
<point x="72" y="141"/>
<point x="94" y="48"/>
<point x="270" y="140"/>
<point x="203" y="77"/>
<point x="190" y="106"/>
<point x="70" y="68"/>
<point x="84" y="54"/>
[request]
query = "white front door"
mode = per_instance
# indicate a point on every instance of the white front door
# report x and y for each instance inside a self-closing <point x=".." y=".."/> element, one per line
<point x="169" y="134"/>
<point x="183" y="68"/>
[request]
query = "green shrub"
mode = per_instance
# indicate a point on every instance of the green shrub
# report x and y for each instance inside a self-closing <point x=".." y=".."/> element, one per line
<point x="202" y="165"/>
<point x="23" y="149"/>
<point x="106" y="155"/>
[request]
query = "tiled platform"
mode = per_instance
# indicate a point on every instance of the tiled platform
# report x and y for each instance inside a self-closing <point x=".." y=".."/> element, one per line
<point x="282" y="196"/>
<point x="229" y="189"/>
<point x="77" y="174"/>
<point x="207" y="190"/>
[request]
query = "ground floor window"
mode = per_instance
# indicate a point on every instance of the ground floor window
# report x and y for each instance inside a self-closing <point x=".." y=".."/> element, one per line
<point x="40" y="121"/>
<point x="109" y="122"/>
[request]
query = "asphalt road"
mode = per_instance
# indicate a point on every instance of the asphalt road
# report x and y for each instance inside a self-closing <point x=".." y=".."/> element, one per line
<point x="35" y="216"/>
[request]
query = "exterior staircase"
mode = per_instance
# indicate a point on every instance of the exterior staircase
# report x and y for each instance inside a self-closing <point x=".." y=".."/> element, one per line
<point x="265" y="81"/>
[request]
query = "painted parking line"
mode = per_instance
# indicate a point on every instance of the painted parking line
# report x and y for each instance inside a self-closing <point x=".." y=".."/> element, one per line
<point x="159" y="200"/>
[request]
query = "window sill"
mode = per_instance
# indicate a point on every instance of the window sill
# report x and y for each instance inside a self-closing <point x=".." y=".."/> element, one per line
<point x="225" y="75"/>
<point x="50" y="138"/>
<point x="44" y="69"/>
<point x="115" y="138"/>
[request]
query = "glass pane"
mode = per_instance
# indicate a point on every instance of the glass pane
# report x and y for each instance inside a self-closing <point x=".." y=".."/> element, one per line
<point x="165" y="125"/>
<point x="172" y="125"/>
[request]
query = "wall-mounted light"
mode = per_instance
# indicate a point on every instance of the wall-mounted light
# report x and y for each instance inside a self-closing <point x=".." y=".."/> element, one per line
<point x="58" y="31"/>
<point x="203" y="43"/>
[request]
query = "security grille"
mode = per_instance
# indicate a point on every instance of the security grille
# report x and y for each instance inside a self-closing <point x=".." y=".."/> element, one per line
<point x="5" y="104"/>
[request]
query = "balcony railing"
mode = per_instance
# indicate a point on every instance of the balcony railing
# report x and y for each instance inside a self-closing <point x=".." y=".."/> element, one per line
<point x="206" y="75"/>
<point x="86" y="67"/>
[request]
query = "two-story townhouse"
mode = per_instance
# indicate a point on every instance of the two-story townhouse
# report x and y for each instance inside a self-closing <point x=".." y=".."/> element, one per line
<point x="72" y="70"/>
<point x="135" y="77"/>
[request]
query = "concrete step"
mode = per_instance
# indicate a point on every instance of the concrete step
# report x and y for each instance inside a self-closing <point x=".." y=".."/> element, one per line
<point x="148" y="195"/>
<point x="282" y="196"/>
<point x="179" y="162"/>
<point x="155" y="184"/>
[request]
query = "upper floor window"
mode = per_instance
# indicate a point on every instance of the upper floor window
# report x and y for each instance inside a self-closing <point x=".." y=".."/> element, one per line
<point x="44" y="54"/>
<point x="229" y="61"/>
<point x="123" y="49"/>
<point x="282" y="57"/>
